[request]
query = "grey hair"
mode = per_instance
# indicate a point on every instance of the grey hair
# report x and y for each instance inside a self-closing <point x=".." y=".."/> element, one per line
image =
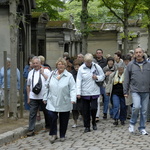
<point x="120" y="65"/>
<point x="36" y="57"/>
<point x="81" y="55"/>
<point x="137" y="48"/>
<point x="8" y="59"/>
<point x="88" y="57"/>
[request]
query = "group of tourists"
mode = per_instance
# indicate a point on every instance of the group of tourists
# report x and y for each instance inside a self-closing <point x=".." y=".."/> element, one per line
<point x="123" y="83"/>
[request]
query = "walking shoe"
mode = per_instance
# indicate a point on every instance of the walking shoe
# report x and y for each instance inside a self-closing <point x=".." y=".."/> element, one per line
<point x="122" y="122"/>
<point x="116" y="122"/>
<point x="131" y="128"/>
<point x="53" y="138"/>
<point x="94" y="127"/>
<point x="143" y="132"/>
<point x="105" y="116"/>
<point x="30" y="133"/>
<point x="87" y="130"/>
<point x="62" y="139"/>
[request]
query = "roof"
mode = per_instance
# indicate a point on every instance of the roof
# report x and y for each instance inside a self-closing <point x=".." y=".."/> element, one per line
<point x="36" y="14"/>
<point x="105" y="26"/>
<point x="59" y="24"/>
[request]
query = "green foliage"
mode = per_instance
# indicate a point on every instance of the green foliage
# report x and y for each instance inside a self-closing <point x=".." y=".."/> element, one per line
<point x="130" y="35"/>
<point x="51" y="7"/>
<point x="121" y="9"/>
<point x="95" y="13"/>
<point x="144" y="10"/>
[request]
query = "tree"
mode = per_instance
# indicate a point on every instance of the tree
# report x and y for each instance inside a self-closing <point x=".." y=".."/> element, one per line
<point x="122" y="9"/>
<point x="144" y="8"/>
<point x="95" y="13"/>
<point x="51" y="7"/>
<point x="13" y="49"/>
<point x="84" y="25"/>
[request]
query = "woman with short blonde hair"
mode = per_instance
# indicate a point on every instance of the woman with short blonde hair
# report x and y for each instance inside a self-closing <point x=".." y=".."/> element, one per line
<point x="88" y="57"/>
<point x="60" y="94"/>
<point x="62" y="60"/>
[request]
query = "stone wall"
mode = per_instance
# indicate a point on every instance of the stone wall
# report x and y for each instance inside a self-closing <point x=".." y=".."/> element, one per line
<point x="105" y="40"/>
<point x="4" y="34"/>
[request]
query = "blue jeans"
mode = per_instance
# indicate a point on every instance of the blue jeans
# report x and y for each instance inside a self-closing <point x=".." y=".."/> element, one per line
<point x="140" y="104"/>
<point x="119" y="107"/>
<point x="106" y="101"/>
<point x="106" y="105"/>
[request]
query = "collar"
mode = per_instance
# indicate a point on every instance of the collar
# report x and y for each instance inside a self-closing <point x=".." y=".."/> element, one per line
<point x="85" y="67"/>
<point x="144" y="61"/>
<point x="64" y="73"/>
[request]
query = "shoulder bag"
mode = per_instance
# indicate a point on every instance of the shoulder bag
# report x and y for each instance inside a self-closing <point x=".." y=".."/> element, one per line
<point x="37" y="88"/>
<point x="100" y="83"/>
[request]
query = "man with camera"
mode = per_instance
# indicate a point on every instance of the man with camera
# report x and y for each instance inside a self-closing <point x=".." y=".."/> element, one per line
<point x="35" y="89"/>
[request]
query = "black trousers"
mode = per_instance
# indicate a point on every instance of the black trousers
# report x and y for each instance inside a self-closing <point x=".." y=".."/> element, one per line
<point x="89" y="110"/>
<point x="63" y="122"/>
<point x="34" y="106"/>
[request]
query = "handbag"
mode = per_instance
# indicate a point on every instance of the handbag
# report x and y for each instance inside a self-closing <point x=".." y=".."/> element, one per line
<point x="37" y="88"/>
<point x="99" y="83"/>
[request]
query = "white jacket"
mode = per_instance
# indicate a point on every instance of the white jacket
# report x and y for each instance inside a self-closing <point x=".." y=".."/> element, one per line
<point x="60" y="93"/>
<point x="86" y="86"/>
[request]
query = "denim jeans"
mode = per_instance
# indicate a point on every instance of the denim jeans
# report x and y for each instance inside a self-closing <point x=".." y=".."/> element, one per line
<point x="119" y="107"/>
<point x="107" y="106"/>
<point x="140" y="104"/>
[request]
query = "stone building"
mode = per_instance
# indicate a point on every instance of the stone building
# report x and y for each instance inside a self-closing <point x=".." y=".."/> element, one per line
<point x="61" y="37"/>
<point x="52" y="38"/>
<point x="24" y="28"/>
<point x="108" y="36"/>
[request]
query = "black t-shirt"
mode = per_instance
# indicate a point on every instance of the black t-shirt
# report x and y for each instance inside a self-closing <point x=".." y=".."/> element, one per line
<point x="118" y="89"/>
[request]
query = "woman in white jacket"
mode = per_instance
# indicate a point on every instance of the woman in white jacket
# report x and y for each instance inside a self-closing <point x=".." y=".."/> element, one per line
<point x="88" y="74"/>
<point x="59" y="95"/>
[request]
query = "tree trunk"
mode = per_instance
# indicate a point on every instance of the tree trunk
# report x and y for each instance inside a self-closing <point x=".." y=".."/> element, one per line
<point x="148" y="44"/>
<point x="84" y="26"/>
<point x="13" y="50"/>
<point x="125" y="39"/>
<point x="125" y="24"/>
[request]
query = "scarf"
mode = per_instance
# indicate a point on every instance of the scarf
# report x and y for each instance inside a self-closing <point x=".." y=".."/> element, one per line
<point x="118" y="79"/>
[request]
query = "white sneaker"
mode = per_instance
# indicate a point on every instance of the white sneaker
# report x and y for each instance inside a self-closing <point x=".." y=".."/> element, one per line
<point x="143" y="132"/>
<point x="74" y="126"/>
<point x="131" y="128"/>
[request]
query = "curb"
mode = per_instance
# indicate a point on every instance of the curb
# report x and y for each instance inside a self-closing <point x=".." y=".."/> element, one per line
<point x="13" y="135"/>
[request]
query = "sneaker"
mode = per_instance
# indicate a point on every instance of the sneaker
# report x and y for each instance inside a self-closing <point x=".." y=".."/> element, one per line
<point x="143" y="132"/>
<point x="131" y="128"/>
<point x="74" y="126"/>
